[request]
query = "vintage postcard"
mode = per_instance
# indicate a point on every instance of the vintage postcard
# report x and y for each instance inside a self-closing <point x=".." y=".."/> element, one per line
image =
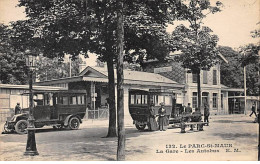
<point x="129" y="80"/>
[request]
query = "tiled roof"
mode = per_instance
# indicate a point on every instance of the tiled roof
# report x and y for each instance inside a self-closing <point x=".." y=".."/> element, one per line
<point x="139" y="76"/>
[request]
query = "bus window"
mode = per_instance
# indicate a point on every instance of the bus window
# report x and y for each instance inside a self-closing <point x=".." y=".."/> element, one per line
<point x="73" y="100"/>
<point x="132" y="99"/>
<point x="144" y="99"/>
<point x="155" y="100"/>
<point x="64" y="100"/>
<point x="168" y="100"/>
<point x="38" y="100"/>
<point x="81" y="99"/>
<point x="160" y="99"/>
<point x="138" y="99"/>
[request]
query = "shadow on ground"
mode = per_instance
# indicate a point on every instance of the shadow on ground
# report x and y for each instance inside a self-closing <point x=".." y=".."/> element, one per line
<point x="233" y="121"/>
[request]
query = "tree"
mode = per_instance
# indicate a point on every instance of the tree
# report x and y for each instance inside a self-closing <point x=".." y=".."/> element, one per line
<point x="12" y="62"/>
<point x="196" y="42"/>
<point x="251" y="60"/>
<point x="120" y="81"/>
<point x="48" y="69"/>
<point x="82" y="26"/>
<point x="231" y="73"/>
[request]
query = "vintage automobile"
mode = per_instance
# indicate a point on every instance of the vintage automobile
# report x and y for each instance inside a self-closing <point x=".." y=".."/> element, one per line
<point x="140" y="102"/>
<point x="51" y="108"/>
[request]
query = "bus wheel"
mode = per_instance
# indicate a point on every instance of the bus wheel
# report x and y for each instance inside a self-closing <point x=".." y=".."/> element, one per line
<point x="140" y="127"/>
<point x="21" y="127"/>
<point x="74" y="123"/>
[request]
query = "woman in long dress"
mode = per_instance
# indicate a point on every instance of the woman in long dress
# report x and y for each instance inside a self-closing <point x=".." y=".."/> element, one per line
<point x="152" y="124"/>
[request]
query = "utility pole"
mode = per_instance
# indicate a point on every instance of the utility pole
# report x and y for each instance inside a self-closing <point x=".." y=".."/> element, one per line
<point x="245" y="86"/>
<point x="70" y="65"/>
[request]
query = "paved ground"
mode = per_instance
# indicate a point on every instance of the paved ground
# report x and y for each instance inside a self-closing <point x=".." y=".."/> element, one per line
<point x="237" y="133"/>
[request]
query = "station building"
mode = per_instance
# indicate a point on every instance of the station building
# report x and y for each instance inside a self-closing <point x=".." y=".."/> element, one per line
<point x="95" y="81"/>
<point x="213" y="93"/>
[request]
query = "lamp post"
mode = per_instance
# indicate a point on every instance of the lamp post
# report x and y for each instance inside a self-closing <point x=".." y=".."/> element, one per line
<point x="31" y="143"/>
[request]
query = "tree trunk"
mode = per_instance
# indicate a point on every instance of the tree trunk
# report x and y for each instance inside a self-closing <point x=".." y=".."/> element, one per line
<point x="111" y="99"/>
<point x="199" y="90"/>
<point x="120" y="80"/>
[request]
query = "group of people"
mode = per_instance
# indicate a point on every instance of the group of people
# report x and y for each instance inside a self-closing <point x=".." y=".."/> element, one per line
<point x="188" y="110"/>
<point x="162" y="121"/>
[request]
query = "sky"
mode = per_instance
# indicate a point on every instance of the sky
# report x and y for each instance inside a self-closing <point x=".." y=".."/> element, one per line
<point x="233" y="24"/>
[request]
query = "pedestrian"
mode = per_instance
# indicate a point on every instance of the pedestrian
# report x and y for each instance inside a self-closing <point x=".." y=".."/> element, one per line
<point x="162" y="120"/>
<point x="17" y="109"/>
<point x="253" y="110"/>
<point x="206" y="113"/>
<point x="196" y="117"/>
<point x="152" y="124"/>
<point x="182" y="109"/>
<point x="188" y="109"/>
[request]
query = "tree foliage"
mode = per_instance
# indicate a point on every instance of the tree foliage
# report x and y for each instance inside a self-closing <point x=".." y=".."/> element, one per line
<point x="79" y="26"/>
<point x="232" y="74"/>
<point x="48" y="69"/>
<point x="13" y="69"/>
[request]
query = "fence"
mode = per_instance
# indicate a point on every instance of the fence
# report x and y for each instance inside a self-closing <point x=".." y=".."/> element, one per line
<point x="98" y="113"/>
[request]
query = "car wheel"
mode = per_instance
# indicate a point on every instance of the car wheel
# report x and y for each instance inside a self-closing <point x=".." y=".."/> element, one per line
<point x="140" y="127"/>
<point x="74" y="123"/>
<point x="21" y="127"/>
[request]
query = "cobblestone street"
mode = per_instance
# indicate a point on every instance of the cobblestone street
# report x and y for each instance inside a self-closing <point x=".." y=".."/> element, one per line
<point x="229" y="137"/>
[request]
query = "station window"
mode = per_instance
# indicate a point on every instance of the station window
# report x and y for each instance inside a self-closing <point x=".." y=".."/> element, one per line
<point x="215" y="77"/>
<point x="194" y="78"/>
<point x="215" y="100"/>
<point x="194" y="99"/>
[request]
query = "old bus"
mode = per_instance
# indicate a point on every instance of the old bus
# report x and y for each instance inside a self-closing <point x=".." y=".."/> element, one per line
<point x="52" y="108"/>
<point x="140" y="102"/>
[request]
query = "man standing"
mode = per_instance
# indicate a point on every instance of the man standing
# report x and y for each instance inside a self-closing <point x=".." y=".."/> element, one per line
<point x="17" y="109"/>
<point x="206" y="113"/>
<point x="188" y="109"/>
<point x="162" y="120"/>
<point x="253" y="110"/>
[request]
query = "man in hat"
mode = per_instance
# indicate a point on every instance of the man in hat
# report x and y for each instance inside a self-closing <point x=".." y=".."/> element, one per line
<point x="163" y="120"/>
<point x="17" y="109"/>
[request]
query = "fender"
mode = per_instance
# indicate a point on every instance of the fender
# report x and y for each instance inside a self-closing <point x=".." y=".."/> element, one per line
<point x="66" y="121"/>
